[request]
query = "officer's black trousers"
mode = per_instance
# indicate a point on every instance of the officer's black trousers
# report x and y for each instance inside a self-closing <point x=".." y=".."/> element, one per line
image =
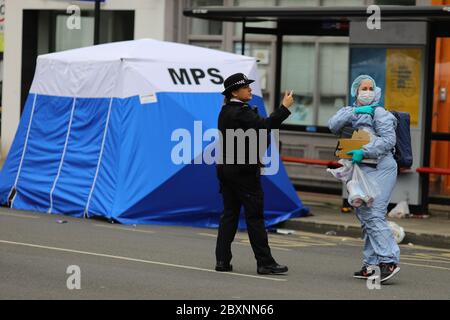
<point x="242" y="187"/>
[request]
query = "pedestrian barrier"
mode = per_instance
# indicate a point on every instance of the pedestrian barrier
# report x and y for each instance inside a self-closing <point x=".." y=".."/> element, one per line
<point x="326" y="163"/>
<point x="334" y="164"/>
<point x="428" y="170"/>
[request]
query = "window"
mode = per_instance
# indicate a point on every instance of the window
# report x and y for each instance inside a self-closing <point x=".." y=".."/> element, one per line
<point x="70" y="39"/>
<point x="316" y="68"/>
<point x="45" y="31"/>
<point x="262" y="52"/>
<point x="206" y="27"/>
<point x="55" y="36"/>
<point x="207" y="44"/>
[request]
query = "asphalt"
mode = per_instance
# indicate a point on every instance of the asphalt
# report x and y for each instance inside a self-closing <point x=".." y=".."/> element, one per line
<point x="161" y="262"/>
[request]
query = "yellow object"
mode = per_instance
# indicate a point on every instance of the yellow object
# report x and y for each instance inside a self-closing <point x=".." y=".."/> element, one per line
<point x="346" y="210"/>
<point x="403" y="77"/>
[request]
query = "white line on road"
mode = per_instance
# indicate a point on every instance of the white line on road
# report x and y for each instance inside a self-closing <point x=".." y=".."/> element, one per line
<point x="136" y="260"/>
<point x="242" y="243"/>
<point x="425" y="265"/>
<point x="122" y="228"/>
<point x="18" y="215"/>
<point x="434" y="259"/>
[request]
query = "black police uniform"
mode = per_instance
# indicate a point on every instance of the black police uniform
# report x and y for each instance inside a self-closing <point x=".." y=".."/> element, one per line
<point x="240" y="184"/>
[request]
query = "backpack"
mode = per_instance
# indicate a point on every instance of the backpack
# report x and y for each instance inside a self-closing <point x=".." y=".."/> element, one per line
<point x="403" y="150"/>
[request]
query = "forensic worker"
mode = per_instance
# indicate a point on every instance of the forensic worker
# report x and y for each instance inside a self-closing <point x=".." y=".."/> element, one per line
<point x="380" y="247"/>
<point x="240" y="180"/>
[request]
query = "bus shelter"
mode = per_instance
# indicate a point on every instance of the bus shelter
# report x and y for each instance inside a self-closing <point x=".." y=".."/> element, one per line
<point x="407" y="50"/>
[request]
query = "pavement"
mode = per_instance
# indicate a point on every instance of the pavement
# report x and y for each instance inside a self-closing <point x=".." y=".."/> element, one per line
<point x="40" y="253"/>
<point x="326" y="216"/>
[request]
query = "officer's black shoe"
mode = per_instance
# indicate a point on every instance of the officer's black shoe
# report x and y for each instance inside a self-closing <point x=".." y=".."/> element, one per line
<point x="223" y="266"/>
<point x="272" y="269"/>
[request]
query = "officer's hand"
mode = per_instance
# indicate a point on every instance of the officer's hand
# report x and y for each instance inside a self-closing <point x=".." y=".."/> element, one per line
<point x="288" y="99"/>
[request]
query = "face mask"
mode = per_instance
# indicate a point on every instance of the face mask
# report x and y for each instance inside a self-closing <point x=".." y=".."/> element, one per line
<point x="366" y="97"/>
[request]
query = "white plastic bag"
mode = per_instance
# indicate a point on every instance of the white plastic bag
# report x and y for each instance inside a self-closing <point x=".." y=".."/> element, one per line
<point x="401" y="210"/>
<point x="397" y="231"/>
<point x="343" y="173"/>
<point x="356" y="197"/>
<point x="361" y="190"/>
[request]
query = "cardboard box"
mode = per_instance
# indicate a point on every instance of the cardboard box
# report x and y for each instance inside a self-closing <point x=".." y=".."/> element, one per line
<point x="357" y="141"/>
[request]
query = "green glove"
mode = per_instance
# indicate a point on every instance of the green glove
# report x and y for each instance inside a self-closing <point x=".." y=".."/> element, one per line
<point x="357" y="155"/>
<point x="364" y="110"/>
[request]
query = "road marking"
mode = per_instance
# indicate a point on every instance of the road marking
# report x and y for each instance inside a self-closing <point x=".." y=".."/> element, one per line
<point x="283" y="243"/>
<point x="425" y="260"/>
<point x="207" y="234"/>
<point x="245" y="243"/>
<point x="136" y="260"/>
<point x="122" y="228"/>
<point x="424" y="265"/>
<point x="18" y="215"/>
<point x="419" y="247"/>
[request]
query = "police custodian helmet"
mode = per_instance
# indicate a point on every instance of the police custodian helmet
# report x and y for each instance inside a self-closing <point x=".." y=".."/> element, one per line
<point x="235" y="81"/>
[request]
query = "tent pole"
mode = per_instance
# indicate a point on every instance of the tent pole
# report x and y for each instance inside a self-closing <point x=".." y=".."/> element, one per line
<point x="97" y="22"/>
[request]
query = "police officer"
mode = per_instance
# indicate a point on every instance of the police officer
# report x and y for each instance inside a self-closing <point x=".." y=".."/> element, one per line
<point x="240" y="180"/>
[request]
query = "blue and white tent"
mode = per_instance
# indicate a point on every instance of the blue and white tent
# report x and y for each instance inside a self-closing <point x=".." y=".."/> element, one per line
<point x="96" y="136"/>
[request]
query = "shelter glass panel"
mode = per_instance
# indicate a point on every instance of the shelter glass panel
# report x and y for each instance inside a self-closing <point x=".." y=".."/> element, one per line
<point x="333" y="81"/>
<point x="298" y="74"/>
